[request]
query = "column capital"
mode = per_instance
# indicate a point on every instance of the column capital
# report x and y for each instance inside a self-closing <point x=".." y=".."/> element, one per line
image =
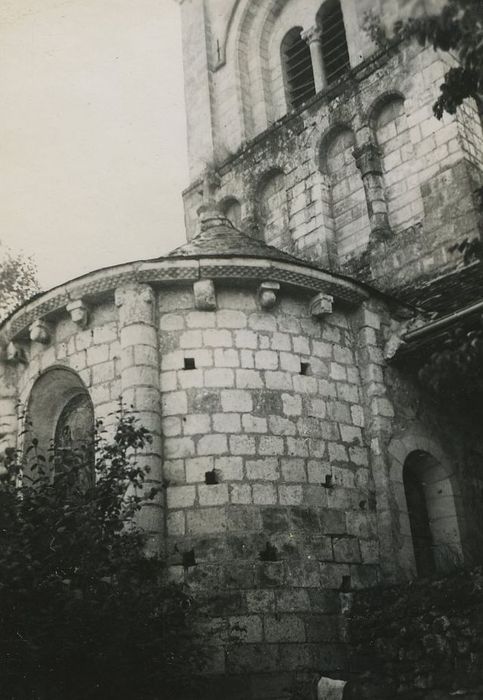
<point x="312" y="34"/>
<point x="135" y="302"/>
<point x="368" y="158"/>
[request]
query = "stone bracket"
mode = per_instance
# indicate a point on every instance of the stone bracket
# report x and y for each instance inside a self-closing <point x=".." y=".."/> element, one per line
<point x="14" y="354"/>
<point x="40" y="332"/>
<point x="79" y="312"/>
<point x="321" y="305"/>
<point x="205" y="295"/>
<point x="267" y="294"/>
<point x="330" y="689"/>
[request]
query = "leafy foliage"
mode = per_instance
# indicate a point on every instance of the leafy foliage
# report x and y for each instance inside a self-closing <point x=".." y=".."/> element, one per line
<point x="459" y="28"/>
<point x="420" y="639"/>
<point x="84" y="611"/>
<point x="455" y="369"/>
<point x="18" y="280"/>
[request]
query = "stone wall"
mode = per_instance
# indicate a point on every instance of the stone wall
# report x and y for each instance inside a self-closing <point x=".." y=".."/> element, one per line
<point x="233" y="80"/>
<point x="280" y="439"/>
<point x="273" y="414"/>
<point x="448" y="429"/>
<point x="94" y="353"/>
<point x="410" y="196"/>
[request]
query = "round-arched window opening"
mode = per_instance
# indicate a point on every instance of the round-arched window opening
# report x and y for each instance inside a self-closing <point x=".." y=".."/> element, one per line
<point x="297" y="68"/>
<point x="61" y="419"/>
<point x="432" y="513"/>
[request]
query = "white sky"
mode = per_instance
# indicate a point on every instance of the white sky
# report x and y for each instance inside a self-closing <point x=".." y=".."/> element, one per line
<point x="92" y="132"/>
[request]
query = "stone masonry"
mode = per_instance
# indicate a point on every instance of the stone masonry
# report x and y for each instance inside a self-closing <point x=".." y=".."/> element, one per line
<point x="284" y="421"/>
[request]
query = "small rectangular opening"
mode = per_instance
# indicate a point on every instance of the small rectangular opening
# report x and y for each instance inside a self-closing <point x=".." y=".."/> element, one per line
<point x="189" y="363"/>
<point x="304" y="368"/>
<point x="188" y="558"/>
<point x="212" y="477"/>
<point x="346" y="584"/>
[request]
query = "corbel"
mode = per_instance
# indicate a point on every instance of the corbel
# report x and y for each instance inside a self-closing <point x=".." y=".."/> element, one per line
<point x="79" y="312"/>
<point x="321" y="305"/>
<point x="267" y="294"/>
<point x="205" y="295"/>
<point x="14" y="354"/>
<point x="40" y="332"/>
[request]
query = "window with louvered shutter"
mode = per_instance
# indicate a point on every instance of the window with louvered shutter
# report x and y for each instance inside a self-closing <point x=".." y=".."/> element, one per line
<point x="298" y="72"/>
<point x="334" y="42"/>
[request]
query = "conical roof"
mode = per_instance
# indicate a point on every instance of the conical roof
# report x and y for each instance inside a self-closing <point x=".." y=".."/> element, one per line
<point x="219" y="238"/>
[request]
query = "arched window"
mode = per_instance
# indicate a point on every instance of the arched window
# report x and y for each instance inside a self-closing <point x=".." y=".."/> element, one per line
<point x="403" y="192"/>
<point x="298" y="71"/>
<point x="335" y="54"/>
<point x="61" y="415"/>
<point x="349" y="219"/>
<point x="432" y="514"/>
<point x="422" y="537"/>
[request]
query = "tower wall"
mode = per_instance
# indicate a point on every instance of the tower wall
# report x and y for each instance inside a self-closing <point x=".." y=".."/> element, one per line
<point x="391" y="215"/>
<point x="292" y="518"/>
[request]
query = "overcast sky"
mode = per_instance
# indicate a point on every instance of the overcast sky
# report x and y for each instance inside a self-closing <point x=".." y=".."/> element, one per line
<point x="92" y="132"/>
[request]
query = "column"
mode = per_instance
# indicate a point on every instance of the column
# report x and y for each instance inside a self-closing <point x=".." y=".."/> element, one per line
<point x="313" y="37"/>
<point x="140" y="390"/>
<point x="368" y="161"/>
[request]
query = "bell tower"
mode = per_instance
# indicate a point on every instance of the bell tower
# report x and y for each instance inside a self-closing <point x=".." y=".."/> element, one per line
<point x="325" y="145"/>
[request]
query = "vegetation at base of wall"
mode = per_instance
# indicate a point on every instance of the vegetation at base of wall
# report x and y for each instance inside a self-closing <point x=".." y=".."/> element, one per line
<point x="18" y="280"/>
<point x="85" y="611"/>
<point x="423" y="639"/>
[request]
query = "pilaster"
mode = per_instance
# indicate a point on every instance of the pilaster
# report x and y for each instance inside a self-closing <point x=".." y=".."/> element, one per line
<point x="378" y="418"/>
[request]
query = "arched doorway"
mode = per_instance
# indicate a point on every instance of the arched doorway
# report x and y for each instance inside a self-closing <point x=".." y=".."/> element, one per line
<point x="432" y="515"/>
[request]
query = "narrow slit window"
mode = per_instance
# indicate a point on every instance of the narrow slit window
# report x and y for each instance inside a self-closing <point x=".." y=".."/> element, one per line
<point x="298" y="71"/>
<point x="304" y="368"/>
<point x="189" y="363"/>
<point x="335" y="53"/>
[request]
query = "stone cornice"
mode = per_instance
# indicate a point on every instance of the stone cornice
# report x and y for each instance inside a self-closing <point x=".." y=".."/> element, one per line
<point x="96" y="286"/>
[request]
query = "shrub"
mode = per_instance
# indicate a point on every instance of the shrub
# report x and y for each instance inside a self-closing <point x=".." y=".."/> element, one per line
<point x="85" y="612"/>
